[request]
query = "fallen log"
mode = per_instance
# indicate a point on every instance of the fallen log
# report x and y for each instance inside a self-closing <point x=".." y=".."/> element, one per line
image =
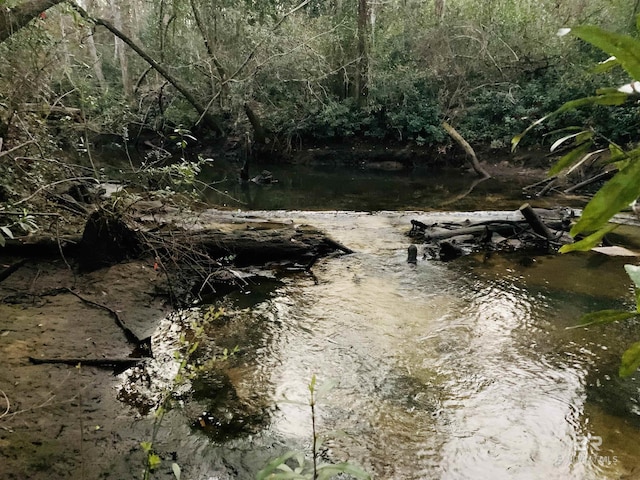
<point x="253" y="247"/>
<point x="473" y="159"/>
<point x="503" y="228"/>
<point x="596" y="178"/>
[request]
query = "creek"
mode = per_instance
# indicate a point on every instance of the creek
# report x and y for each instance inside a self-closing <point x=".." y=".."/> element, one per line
<point x="453" y="370"/>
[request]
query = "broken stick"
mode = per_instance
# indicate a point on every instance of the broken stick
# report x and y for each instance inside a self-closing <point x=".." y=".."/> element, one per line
<point x="533" y="219"/>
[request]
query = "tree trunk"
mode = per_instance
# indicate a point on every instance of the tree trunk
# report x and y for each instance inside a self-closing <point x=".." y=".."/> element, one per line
<point x="362" y="66"/>
<point x="468" y="149"/>
<point x="222" y="73"/>
<point x="439" y="10"/>
<point x="96" y="61"/>
<point x="12" y="20"/>
<point x="259" y="133"/>
<point x="120" y="52"/>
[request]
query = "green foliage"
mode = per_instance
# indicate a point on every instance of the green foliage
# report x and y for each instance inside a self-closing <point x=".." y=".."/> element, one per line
<point x="630" y="360"/>
<point x="588" y="242"/>
<point x="624" y="187"/>
<point x="25" y="223"/>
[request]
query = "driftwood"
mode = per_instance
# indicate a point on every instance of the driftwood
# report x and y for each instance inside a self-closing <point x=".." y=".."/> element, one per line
<point x="11" y="269"/>
<point x="536" y="223"/>
<point x="596" y="178"/>
<point x="535" y="231"/>
<point x="558" y="183"/>
<point x="142" y="345"/>
<point x="504" y="228"/>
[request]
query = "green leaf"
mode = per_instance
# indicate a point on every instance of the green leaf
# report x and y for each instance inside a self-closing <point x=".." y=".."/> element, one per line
<point x="630" y="360"/>
<point x="606" y="65"/>
<point x="268" y="471"/>
<point x="589" y="242"/>
<point x="325" y="388"/>
<point x="634" y="273"/>
<point x="560" y="141"/>
<point x="570" y="158"/>
<point x="154" y="461"/>
<point x="610" y="98"/>
<point x="614" y="195"/>
<point x="326" y="472"/>
<point x="285" y="476"/>
<point x="146" y="446"/>
<point x="602" y="317"/>
<point x="7" y="232"/>
<point x="625" y="48"/>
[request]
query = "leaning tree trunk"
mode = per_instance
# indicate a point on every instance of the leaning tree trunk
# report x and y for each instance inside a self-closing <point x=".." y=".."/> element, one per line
<point x="473" y="159"/>
<point x="12" y="20"/>
<point x="195" y="103"/>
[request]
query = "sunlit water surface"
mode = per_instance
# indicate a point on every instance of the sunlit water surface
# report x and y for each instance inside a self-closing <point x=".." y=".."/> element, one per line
<point x="461" y="370"/>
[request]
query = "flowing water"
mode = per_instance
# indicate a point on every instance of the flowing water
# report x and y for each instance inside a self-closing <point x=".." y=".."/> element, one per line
<point x="461" y="370"/>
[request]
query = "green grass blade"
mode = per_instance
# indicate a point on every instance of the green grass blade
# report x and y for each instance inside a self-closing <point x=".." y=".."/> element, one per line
<point x="603" y="316"/>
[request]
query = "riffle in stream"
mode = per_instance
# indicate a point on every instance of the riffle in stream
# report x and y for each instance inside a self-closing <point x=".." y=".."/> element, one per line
<point x="453" y="370"/>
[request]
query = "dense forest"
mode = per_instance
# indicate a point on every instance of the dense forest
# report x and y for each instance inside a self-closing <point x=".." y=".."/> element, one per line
<point x="267" y="78"/>
<point x="289" y="73"/>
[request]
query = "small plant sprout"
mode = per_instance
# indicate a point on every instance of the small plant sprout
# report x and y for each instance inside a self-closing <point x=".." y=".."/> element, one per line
<point x="294" y="465"/>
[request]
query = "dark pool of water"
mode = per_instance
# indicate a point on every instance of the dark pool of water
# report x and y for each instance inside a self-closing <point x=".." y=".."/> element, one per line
<point x="304" y="187"/>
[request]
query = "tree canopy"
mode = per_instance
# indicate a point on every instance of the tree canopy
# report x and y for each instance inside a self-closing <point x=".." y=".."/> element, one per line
<point x="285" y="72"/>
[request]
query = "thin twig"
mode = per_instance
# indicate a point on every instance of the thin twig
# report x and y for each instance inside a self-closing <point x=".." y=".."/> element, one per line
<point x="129" y="334"/>
<point x="7" y="152"/>
<point x="44" y="187"/>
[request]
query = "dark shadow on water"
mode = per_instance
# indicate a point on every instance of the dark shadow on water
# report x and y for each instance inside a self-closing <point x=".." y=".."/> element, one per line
<point x="303" y="187"/>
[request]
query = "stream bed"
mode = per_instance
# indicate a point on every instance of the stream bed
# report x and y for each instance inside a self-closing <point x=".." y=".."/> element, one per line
<point x="459" y="370"/>
<point x="453" y="370"/>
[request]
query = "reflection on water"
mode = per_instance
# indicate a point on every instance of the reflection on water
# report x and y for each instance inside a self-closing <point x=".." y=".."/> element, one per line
<point x="305" y="187"/>
<point x="448" y="371"/>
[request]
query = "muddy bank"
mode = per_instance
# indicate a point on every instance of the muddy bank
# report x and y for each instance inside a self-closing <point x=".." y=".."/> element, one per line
<point x="61" y="421"/>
